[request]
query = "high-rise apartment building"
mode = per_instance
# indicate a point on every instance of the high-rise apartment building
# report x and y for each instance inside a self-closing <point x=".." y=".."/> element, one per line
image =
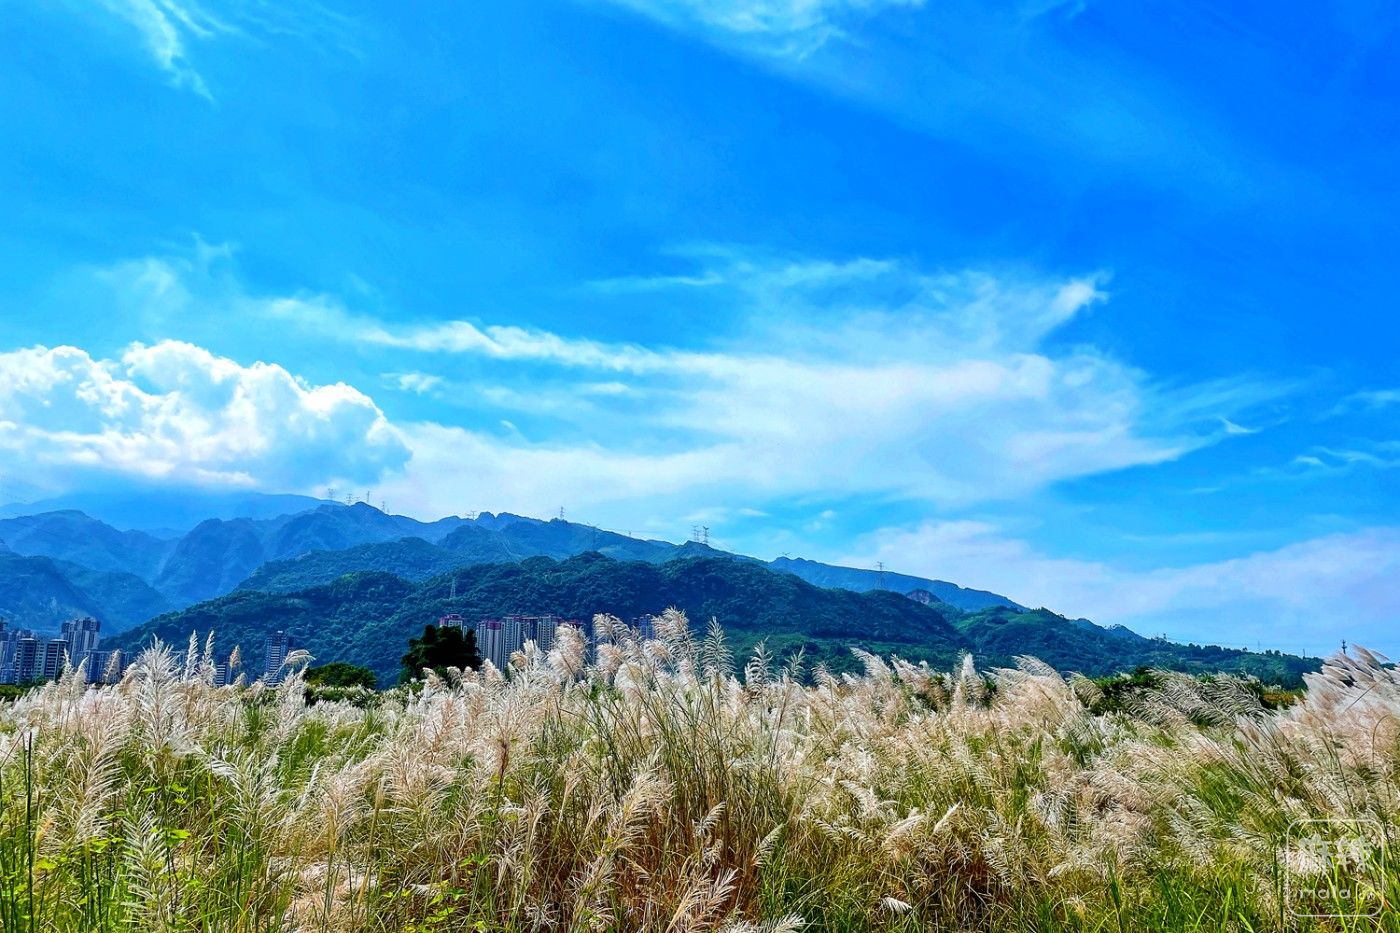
<point x="106" y="667"/>
<point x="278" y="646"/>
<point x="490" y="642"/>
<point x="52" y="658"/>
<point x="82" y="636"/>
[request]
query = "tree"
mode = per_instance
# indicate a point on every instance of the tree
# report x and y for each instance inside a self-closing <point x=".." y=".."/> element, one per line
<point x="438" y="649"/>
<point x="341" y="674"/>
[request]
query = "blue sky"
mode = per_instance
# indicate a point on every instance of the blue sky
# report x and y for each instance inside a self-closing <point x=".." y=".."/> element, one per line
<point x="1088" y="303"/>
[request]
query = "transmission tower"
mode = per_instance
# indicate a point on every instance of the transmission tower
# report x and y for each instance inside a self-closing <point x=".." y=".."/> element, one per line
<point x="880" y="569"/>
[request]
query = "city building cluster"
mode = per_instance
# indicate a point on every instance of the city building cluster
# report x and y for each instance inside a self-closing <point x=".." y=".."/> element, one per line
<point x="27" y="656"/>
<point x="498" y="639"/>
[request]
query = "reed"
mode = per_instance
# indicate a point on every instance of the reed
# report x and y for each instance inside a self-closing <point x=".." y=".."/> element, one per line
<point x="653" y="788"/>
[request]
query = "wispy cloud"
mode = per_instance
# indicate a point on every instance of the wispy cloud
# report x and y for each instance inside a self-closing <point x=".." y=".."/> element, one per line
<point x="165" y="28"/>
<point x="876" y="378"/>
<point x="785" y="28"/>
<point x="415" y="382"/>
<point x="1300" y="597"/>
<point x="1369" y="400"/>
<point x="169" y="30"/>
<point x="1009" y="79"/>
<point x="1383" y="455"/>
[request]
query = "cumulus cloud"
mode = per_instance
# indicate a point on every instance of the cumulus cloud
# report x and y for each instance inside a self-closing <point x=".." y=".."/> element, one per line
<point x="1301" y="597"/>
<point x="792" y="28"/>
<point x="176" y="412"/>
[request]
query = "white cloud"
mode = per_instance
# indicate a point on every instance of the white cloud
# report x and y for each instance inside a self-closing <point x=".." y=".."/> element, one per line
<point x="164" y="28"/>
<point x="1370" y="400"/>
<point x="415" y="382"/>
<point x="1382" y="455"/>
<point x="873" y="377"/>
<point x="168" y="29"/>
<point x="1236" y="429"/>
<point x="176" y="412"/>
<point x="454" y="470"/>
<point x="862" y="377"/>
<point x="1305" y="596"/>
<point x="789" y="28"/>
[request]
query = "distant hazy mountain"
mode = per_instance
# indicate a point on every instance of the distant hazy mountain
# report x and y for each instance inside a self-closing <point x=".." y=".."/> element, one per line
<point x="73" y="536"/>
<point x="851" y="578"/>
<point x="219" y="554"/>
<point x="366" y="618"/>
<point x="489" y="539"/>
<point x="40" y="593"/>
<point x="495" y="538"/>
<point x="308" y="547"/>
<point x="167" y="512"/>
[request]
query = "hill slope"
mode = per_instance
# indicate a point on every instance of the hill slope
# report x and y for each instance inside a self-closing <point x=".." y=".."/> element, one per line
<point x="482" y="542"/>
<point x="495" y="539"/>
<point x="41" y="593"/>
<point x="367" y="617"/>
<point x="167" y="512"/>
<point x="1001" y="634"/>
<point x="220" y="554"/>
<point x="852" y="578"/>
<point x="73" y="536"/>
<point x="310" y="547"/>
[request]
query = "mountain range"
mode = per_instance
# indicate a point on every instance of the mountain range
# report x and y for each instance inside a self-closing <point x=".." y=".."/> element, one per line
<point x="367" y="617"/>
<point x="313" y="546"/>
<point x="353" y="582"/>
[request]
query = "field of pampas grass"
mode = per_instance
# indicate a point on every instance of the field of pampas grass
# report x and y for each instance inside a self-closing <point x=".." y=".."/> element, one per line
<point x="655" y="787"/>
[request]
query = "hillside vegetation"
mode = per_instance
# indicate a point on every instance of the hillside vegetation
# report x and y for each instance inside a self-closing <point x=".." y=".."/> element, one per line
<point x="43" y="592"/>
<point x="654" y="790"/>
<point x="312" y="547"/>
<point x="367" y="618"/>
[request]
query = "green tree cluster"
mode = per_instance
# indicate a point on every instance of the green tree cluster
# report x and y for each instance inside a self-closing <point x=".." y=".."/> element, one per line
<point x="437" y="649"/>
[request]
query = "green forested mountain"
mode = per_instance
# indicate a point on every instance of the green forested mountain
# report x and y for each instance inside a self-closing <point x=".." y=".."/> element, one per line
<point x="218" y="555"/>
<point x="1000" y="634"/>
<point x="313" y="547"/>
<point x="353" y="581"/>
<point x="41" y="593"/>
<point x="476" y="543"/>
<point x="412" y="559"/>
<point x="367" y="617"/>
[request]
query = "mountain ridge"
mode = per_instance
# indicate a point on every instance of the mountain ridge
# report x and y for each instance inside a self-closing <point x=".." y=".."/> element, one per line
<point x="366" y="617"/>
<point x="318" y="544"/>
